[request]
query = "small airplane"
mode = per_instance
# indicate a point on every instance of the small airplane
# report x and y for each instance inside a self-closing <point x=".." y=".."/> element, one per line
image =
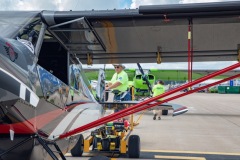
<point x="142" y="83"/>
<point x="45" y="99"/>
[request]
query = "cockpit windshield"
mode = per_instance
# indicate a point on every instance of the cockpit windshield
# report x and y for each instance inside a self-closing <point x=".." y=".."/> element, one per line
<point x="18" y="24"/>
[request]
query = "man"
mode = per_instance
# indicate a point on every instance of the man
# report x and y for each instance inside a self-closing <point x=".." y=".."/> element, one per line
<point x="157" y="90"/>
<point x="119" y="84"/>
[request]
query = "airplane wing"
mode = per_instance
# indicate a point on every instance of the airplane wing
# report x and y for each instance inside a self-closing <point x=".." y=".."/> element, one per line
<point x="157" y="33"/>
<point x="177" y="109"/>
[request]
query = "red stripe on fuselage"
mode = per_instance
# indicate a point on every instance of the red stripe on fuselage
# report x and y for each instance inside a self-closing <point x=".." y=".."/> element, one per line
<point x="31" y="126"/>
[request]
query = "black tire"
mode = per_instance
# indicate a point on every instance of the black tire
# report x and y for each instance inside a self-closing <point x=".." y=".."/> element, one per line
<point x="134" y="146"/>
<point x="99" y="158"/>
<point x="164" y="112"/>
<point x="77" y="150"/>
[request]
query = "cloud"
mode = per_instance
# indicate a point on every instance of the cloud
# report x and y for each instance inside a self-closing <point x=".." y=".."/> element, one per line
<point x="86" y="4"/>
<point x="137" y="3"/>
<point x="202" y="1"/>
<point x="60" y="4"/>
<point x="28" y="5"/>
<point x="91" y="4"/>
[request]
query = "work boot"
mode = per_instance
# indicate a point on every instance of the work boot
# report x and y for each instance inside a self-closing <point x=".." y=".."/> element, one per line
<point x="159" y="118"/>
<point x="154" y="117"/>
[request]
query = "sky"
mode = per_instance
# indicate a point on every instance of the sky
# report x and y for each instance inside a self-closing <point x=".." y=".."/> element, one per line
<point x="75" y="5"/>
<point x="87" y="4"/>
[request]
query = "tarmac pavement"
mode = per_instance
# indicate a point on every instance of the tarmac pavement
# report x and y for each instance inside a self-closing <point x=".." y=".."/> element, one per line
<point x="209" y="130"/>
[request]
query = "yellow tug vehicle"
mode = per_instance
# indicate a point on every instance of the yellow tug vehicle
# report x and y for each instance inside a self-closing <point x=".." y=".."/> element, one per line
<point x="113" y="138"/>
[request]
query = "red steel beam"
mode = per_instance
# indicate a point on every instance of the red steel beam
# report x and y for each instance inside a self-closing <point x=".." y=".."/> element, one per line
<point x="164" y="101"/>
<point x="114" y="116"/>
<point x="178" y="96"/>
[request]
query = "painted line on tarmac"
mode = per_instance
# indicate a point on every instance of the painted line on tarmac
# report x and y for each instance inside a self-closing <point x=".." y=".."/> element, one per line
<point x="89" y="155"/>
<point x="179" y="157"/>
<point x="68" y="155"/>
<point x="193" y="152"/>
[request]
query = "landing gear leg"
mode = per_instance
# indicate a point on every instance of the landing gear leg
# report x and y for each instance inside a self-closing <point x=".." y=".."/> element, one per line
<point x="16" y="146"/>
<point x="50" y="152"/>
<point x="43" y="142"/>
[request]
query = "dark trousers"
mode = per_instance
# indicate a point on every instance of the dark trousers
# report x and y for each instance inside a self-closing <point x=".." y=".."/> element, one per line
<point x="117" y="97"/>
<point x="127" y="97"/>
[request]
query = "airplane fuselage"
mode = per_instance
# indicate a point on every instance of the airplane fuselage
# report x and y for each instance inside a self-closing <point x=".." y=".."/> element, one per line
<point x="34" y="103"/>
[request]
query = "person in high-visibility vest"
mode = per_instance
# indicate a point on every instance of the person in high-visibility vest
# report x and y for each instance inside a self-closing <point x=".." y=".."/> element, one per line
<point x="120" y="88"/>
<point x="157" y="90"/>
<point x="119" y="84"/>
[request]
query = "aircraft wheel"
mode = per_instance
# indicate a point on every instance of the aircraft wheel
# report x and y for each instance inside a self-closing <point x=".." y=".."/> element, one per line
<point x="164" y="112"/>
<point x="99" y="158"/>
<point x="77" y="150"/>
<point x="134" y="146"/>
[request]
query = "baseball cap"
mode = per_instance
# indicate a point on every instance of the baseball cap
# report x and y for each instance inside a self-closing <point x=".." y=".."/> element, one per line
<point x="119" y="65"/>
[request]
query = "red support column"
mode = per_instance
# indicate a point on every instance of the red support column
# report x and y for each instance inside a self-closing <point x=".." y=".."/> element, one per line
<point x="190" y="51"/>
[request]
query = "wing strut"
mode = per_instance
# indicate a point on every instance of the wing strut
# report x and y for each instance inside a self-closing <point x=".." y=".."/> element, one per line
<point x="146" y="104"/>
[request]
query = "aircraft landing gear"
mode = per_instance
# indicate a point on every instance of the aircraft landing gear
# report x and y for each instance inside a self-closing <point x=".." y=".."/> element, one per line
<point x="134" y="146"/>
<point x="43" y="142"/>
<point x="77" y="150"/>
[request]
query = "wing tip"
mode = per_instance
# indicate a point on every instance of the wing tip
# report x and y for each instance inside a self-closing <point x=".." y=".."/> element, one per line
<point x="180" y="111"/>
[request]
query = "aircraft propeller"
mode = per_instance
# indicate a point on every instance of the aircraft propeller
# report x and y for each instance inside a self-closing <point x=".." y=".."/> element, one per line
<point x="145" y="77"/>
